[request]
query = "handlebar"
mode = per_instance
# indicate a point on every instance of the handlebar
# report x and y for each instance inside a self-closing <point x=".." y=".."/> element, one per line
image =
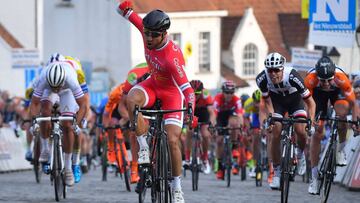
<point x="55" y="119"/>
<point x="288" y="121"/>
<point x="337" y="119"/>
<point x="138" y="110"/>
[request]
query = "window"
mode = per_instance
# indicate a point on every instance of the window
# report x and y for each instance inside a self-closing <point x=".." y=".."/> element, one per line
<point x="250" y="55"/>
<point x="204" y="52"/>
<point x="176" y="37"/>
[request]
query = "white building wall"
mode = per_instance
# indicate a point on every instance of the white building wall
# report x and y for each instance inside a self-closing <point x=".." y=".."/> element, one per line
<point x="92" y="32"/>
<point x="248" y="32"/>
<point x="18" y="17"/>
<point x="10" y="78"/>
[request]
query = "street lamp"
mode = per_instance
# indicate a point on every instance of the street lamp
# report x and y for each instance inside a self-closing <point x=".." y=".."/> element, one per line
<point x="357" y="35"/>
<point x="334" y="55"/>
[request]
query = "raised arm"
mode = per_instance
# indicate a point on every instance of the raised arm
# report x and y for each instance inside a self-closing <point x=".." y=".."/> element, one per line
<point x="125" y="9"/>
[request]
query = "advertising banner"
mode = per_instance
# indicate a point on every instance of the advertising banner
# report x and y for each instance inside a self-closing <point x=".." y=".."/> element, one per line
<point x="304" y="59"/>
<point x="25" y="58"/>
<point x="332" y="22"/>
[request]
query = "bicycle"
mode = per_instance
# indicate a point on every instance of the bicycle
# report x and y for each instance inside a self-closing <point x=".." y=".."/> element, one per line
<point x="327" y="169"/>
<point x="261" y="161"/>
<point x="57" y="166"/>
<point x="196" y="152"/>
<point x="287" y="165"/>
<point x="157" y="174"/>
<point x="123" y="167"/>
<point x="227" y="161"/>
<point x="36" y="153"/>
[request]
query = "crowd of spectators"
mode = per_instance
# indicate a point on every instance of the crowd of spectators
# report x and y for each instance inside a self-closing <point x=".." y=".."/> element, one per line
<point x="11" y="111"/>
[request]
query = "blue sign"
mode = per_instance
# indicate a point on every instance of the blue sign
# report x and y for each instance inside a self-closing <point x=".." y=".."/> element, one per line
<point x="333" y="15"/>
<point x="30" y="75"/>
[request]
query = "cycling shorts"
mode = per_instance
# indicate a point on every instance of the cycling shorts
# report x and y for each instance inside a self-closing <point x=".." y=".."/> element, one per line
<point x="203" y="114"/>
<point x="292" y="104"/>
<point x="171" y="99"/>
<point x="66" y="100"/>
<point x="323" y="97"/>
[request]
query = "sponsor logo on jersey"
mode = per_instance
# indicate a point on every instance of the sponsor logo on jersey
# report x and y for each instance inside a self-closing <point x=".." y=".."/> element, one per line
<point x="297" y="81"/>
<point x="132" y="78"/>
<point x="178" y="68"/>
<point x="260" y="78"/>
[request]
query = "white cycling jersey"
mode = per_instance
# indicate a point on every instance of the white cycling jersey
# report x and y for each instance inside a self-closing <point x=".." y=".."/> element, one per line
<point x="71" y="82"/>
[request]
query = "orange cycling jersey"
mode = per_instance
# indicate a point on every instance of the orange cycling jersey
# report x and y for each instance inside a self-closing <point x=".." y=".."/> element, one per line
<point x="114" y="98"/>
<point x="340" y="81"/>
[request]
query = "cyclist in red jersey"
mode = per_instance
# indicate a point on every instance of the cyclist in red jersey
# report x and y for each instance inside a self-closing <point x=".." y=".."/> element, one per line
<point x="229" y="113"/>
<point x="167" y="82"/>
<point x="205" y="112"/>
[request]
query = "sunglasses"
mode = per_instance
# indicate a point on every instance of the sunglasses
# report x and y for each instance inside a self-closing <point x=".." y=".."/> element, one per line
<point x="152" y="34"/>
<point x="274" y="70"/>
<point x="228" y="92"/>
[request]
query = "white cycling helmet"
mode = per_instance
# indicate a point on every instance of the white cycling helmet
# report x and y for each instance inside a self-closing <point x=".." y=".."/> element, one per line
<point x="55" y="74"/>
<point x="274" y="60"/>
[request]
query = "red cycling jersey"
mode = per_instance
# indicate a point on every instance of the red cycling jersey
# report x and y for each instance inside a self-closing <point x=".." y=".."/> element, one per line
<point x="204" y="100"/>
<point x="168" y="77"/>
<point x="233" y="105"/>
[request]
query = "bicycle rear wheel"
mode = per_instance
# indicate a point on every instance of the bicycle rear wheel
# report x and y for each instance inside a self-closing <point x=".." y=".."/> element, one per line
<point x="328" y="173"/>
<point x="285" y="173"/>
<point x="57" y="171"/>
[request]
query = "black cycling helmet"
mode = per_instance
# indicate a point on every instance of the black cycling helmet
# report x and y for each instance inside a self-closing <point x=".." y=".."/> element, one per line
<point x="197" y="85"/>
<point x="325" y="68"/>
<point x="156" y="20"/>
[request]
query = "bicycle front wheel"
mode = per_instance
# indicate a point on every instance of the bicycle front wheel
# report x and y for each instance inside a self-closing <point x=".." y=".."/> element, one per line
<point x="104" y="159"/>
<point x="228" y="164"/>
<point x="36" y="163"/>
<point x="328" y="173"/>
<point x="124" y="167"/>
<point x="285" y="173"/>
<point x="59" y="185"/>
<point x="162" y="162"/>
<point x="195" y="165"/>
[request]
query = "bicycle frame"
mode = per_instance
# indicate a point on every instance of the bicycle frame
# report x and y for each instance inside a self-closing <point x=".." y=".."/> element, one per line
<point x="287" y="151"/>
<point x="160" y="159"/>
<point x="57" y="152"/>
<point x="227" y="160"/>
<point x="327" y="169"/>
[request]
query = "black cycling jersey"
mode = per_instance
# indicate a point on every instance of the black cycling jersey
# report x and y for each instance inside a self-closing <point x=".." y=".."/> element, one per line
<point x="286" y="95"/>
<point x="292" y="83"/>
